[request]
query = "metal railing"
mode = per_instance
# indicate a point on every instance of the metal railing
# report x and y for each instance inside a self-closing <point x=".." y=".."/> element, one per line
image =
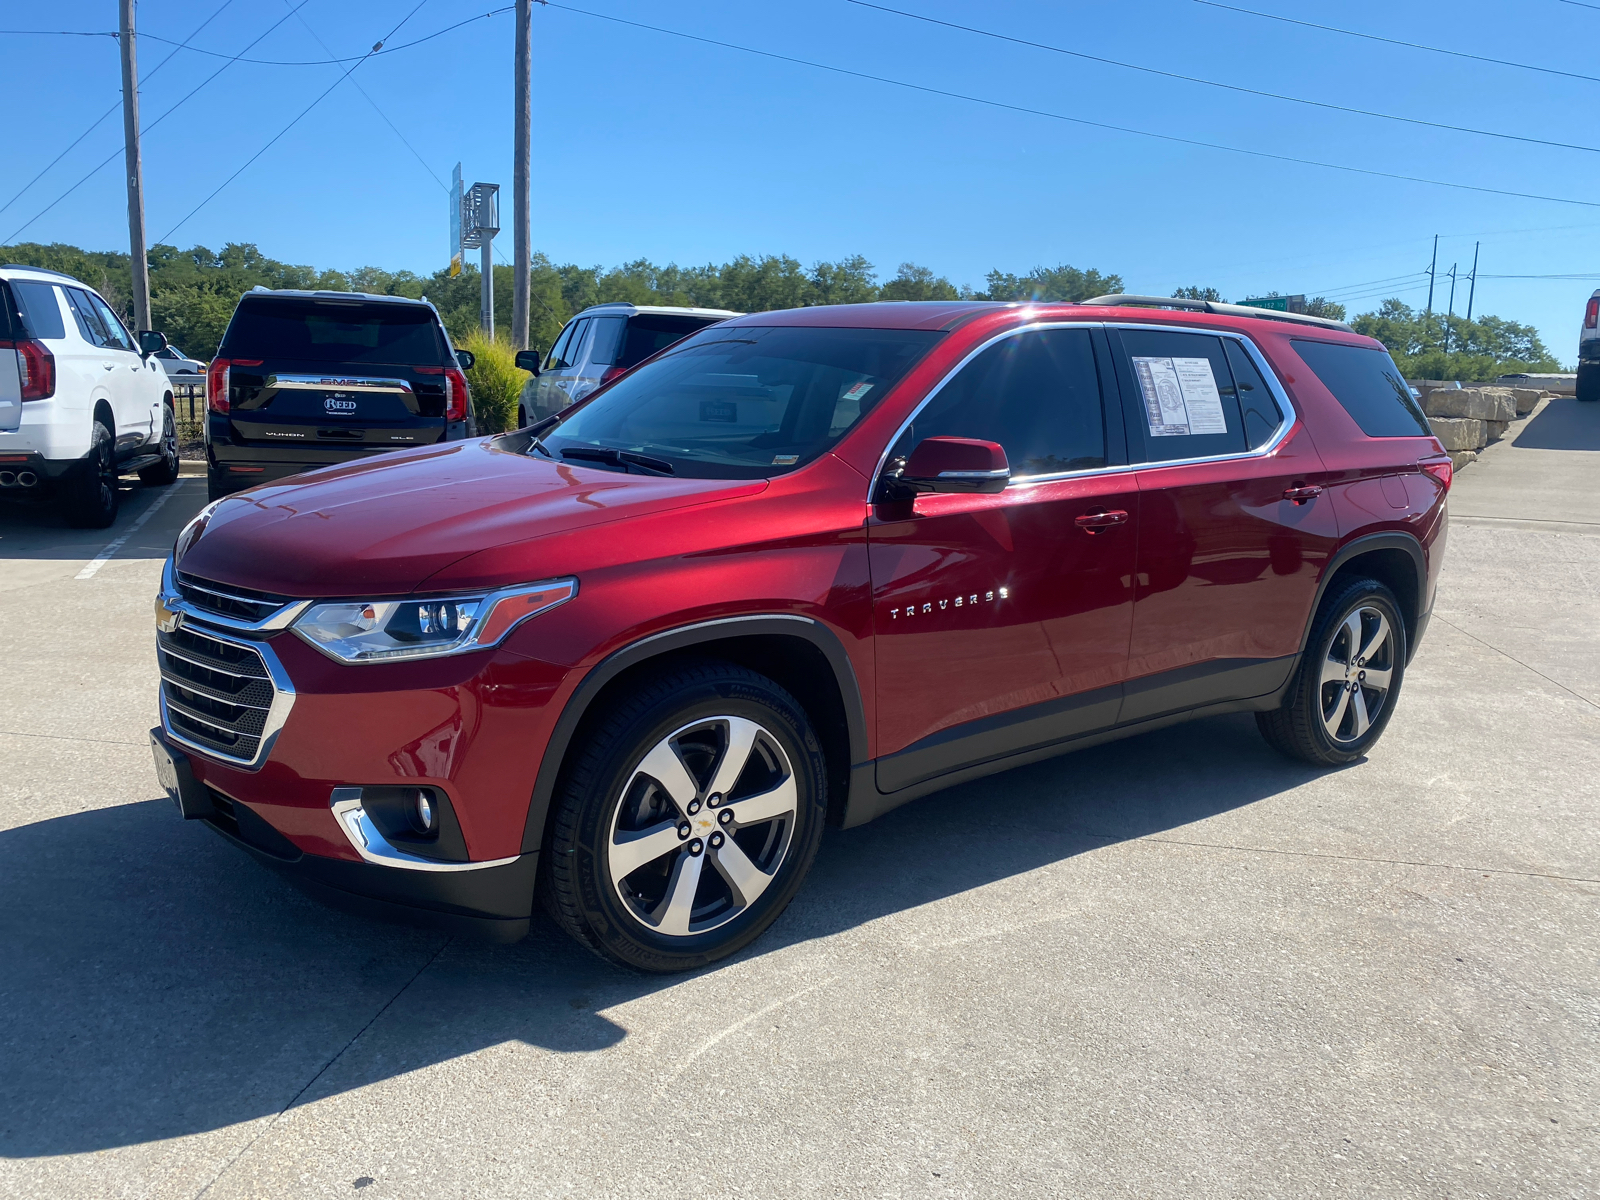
<point x="189" y="405"/>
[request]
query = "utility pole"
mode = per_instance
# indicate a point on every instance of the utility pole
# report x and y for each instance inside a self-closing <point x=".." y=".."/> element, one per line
<point x="522" y="161"/>
<point x="1432" y="267"/>
<point x="1452" y="310"/>
<point x="1472" y="292"/>
<point x="135" y="168"/>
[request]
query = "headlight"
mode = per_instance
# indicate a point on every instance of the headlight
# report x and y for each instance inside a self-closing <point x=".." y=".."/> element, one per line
<point x="357" y="631"/>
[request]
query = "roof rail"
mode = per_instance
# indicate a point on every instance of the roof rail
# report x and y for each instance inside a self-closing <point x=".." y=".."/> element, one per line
<point x="40" y="270"/>
<point x="1216" y="306"/>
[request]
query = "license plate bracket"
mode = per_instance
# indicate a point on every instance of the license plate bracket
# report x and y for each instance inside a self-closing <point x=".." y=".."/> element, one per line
<point x="176" y="777"/>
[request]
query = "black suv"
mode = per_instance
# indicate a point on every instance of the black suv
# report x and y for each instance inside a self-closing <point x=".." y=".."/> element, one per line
<point x="310" y="379"/>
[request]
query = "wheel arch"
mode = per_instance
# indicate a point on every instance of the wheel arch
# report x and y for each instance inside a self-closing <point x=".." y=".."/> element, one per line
<point x="1394" y="559"/>
<point x="103" y="414"/>
<point x="800" y="654"/>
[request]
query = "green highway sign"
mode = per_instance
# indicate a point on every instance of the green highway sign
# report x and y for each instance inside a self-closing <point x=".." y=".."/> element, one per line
<point x="1278" y="303"/>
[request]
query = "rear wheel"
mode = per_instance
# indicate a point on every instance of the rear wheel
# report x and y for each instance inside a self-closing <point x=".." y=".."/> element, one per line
<point x="687" y="819"/>
<point x="165" y="472"/>
<point x="1589" y="381"/>
<point x="92" y="487"/>
<point x="1348" y="681"/>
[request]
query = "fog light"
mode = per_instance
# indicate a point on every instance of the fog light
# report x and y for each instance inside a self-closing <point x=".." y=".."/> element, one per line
<point x="422" y="813"/>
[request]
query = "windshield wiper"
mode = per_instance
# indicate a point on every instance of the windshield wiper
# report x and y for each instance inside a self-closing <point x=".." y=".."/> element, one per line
<point x="619" y="458"/>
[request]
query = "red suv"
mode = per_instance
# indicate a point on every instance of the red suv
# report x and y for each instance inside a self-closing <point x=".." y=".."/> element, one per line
<point x="797" y="569"/>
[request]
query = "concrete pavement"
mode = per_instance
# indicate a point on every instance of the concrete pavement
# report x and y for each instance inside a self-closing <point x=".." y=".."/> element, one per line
<point x="1178" y="965"/>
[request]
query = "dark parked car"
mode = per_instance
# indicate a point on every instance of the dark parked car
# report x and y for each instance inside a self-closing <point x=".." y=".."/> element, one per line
<point x="800" y="568"/>
<point x="309" y="379"/>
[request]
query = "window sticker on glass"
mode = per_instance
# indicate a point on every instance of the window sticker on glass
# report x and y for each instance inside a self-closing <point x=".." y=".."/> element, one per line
<point x="719" y="410"/>
<point x="1180" y="396"/>
<point x="857" y="392"/>
<point x="785" y="460"/>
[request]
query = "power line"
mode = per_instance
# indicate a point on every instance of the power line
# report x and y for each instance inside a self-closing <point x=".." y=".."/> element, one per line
<point x="97" y="121"/>
<point x="358" y="58"/>
<point x="146" y="129"/>
<point x="1039" y="112"/>
<point x="1372" y="37"/>
<point x="1575" y="4"/>
<point x="294" y="122"/>
<point x="374" y="104"/>
<point x="111" y="33"/>
<point x="1231" y="87"/>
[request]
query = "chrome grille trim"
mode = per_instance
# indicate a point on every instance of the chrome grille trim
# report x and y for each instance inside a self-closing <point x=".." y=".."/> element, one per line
<point x="175" y="596"/>
<point x="256" y="727"/>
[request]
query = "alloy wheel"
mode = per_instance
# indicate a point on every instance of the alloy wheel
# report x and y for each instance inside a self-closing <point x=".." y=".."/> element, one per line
<point x="720" y="793"/>
<point x="1357" y="674"/>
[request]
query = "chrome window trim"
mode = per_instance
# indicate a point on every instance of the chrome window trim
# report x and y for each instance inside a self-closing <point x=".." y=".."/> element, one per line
<point x="337" y="383"/>
<point x="1274" y="385"/>
<point x="170" y="598"/>
<point x="368" y="841"/>
<point x="283" y="696"/>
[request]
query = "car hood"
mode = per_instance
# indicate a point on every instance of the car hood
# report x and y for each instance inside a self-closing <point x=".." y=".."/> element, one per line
<point x="383" y="526"/>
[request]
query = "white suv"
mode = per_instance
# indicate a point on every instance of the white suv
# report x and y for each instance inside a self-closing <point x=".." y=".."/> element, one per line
<point x="81" y="403"/>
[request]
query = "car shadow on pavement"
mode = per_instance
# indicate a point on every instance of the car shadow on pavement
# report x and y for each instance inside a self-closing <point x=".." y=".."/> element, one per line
<point x="1564" y="424"/>
<point x="40" y="530"/>
<point x="158" y="983"/>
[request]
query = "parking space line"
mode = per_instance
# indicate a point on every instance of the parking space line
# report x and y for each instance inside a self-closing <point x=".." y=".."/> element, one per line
<point x="100" y="560"/>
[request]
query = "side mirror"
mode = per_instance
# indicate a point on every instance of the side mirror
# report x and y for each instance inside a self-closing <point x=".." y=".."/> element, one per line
<point x="950" y="464"/>
<point x="528" y="360"/>
<point x="151" y="342"/>
<point x="466" y="358"/>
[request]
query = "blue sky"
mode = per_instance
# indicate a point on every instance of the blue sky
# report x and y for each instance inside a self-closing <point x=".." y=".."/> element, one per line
<point x="649" y="145"/>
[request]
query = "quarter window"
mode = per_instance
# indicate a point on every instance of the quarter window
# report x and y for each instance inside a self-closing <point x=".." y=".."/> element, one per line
<point x="1183" y="402"/>
<point x="1369" y="386"/>
<point x="37" y="305"/>
<point x="607" y="338"/>
<point x="1036" y="393"/>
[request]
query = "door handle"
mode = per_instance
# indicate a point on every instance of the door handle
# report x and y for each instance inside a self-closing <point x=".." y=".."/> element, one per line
<point x="1301" y="495"/>
<point x="1094" y="522"/>
<point x="109" y="366"/>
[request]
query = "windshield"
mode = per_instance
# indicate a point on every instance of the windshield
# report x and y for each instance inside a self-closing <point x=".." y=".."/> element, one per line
<point x="741" y="403"/>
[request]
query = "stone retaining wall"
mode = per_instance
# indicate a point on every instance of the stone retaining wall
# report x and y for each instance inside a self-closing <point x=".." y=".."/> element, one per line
<point x="1466" y="420"/>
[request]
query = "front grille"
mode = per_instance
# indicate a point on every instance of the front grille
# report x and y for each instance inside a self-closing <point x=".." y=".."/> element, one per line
<point x="240" y="604"/>
<point x="218" y="693"/>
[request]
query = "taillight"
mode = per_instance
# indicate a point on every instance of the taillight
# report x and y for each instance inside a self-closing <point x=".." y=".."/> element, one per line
<point x="38" y="367"/>
<point x="1440" y="469"/>
<point x="1591" y="315"/>
<point x="610" y="373"/>
<point x="217" y="385"/>
<point x="455" y="395"/>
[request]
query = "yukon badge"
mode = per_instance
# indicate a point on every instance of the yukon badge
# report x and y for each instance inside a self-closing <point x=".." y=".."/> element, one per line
<point x="336" y="404"/>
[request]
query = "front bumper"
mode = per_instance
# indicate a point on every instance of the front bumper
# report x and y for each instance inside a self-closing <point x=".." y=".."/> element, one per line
<point x="491" y="901"/>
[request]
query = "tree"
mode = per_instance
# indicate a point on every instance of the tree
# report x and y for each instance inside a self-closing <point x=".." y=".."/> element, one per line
<point x="1320" y="307"/>
<point x="1437" y="346"/>
<point x="1061" y="283"/>
<point x="918" y="283"/>
<point x="1199" y="293"/>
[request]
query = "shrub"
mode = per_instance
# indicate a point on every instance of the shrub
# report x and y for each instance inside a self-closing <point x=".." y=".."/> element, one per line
<point x="495" y="381"/>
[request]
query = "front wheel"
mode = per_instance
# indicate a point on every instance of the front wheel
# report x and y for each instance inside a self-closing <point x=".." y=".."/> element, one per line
<point x="687" y="819"/>
<point x="1348" y="681"/>
<point x="165" y="472"/>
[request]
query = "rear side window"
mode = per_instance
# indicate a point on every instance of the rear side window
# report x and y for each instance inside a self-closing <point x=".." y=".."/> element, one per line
<point x="1262" y="416"/>
<point x="607" y="339"/>
<point x="648" y="333"/>
<point x="8" y="320"/>
<point x="1036" y="393"/>
<point x="334" y="331"/>
<point x="1369" y="386"/>
<point x="90" y="327"/>
<point x="1184" y="401"/>
<point x="40" y="311"/>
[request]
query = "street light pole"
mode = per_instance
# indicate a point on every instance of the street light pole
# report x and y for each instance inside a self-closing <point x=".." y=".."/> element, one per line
<point x="523" y="132"/>
<point x="135" y="168"/>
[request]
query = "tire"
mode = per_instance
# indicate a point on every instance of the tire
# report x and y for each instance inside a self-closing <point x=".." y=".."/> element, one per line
<point x="675" y="731"/>
<point x="165" y="472"/>
<point x="216" y="488"/>
<point x="1589" y="381"/>
<point x="92" y="498"/>
<point x="1325" y="720"/>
